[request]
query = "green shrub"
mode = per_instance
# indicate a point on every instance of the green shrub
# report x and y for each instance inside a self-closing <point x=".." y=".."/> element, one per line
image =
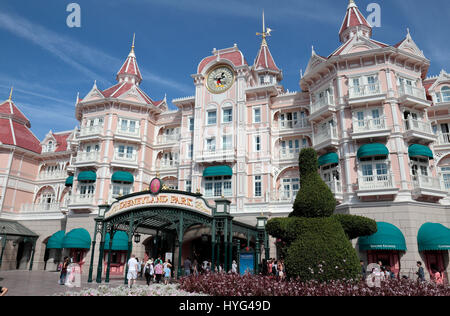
<point x="356" y="226"/>
<point x="321" y="252"/>
<point x="307" y="162"/>
<point x="314" y="199"/>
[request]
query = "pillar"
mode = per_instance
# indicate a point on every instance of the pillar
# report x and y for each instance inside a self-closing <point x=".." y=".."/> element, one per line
<point x="130" y="245"/>
<point x="33" y="250"/>
<point x="100" y="258"/>
<point x="225" y="242"/>
<point x="108" y="267"/>
<point x="91" y="265"/>
<point x="180" y="244"/>
<point x="213" y="244"/>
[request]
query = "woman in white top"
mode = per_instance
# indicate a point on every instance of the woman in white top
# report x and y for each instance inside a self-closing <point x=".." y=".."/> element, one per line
<point x="132" y="270"/>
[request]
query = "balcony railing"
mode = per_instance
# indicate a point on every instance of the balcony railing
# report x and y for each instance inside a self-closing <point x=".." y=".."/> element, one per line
<point x="52" y="175"/>
<point x="294" y="124"/>
<point x="376" y="182"/>
<point x="169" y="164"/>
<point x="91" y="130"/>
<point x="289" y="153"/>
<point x="322" y="103"/>
<point x="335" y="186"/>
<point x="87" y="198"/>
<point x="41" y="208"/>
<point x="88" y="156"/>
<point x="368" y="125"/>
<point x="325" y="134"/>
<point x="411" y="91"/>
<point x="128" y="132"/>
<point x="167" y="139"/>
<point x="418" y="126"/>
<point x="364" y="90"/>
<point x="125" y="157"/>
<point x="211" y="153"/>
<point x="444" y="139"/>
<point x="426" y="182"/>
<point x="283" y="196"/>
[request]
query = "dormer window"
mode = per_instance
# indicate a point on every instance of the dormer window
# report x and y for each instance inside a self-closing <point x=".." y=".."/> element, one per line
<point x="445" y="94"/>
<point x="50" y="147"/>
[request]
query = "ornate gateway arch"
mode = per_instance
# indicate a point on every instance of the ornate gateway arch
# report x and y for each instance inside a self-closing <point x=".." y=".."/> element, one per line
<point x="173" y="212"/>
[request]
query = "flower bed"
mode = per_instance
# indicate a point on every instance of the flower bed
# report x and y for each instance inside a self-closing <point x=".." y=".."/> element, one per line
<point x="235" y="285"/>
<point x="136" y="290"/>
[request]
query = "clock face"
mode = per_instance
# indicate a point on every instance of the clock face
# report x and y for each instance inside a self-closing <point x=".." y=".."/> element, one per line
<point x="220" y="79"/>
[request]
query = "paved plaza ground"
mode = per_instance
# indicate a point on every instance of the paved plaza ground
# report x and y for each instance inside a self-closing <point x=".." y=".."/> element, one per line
<point x="43" y="283"/>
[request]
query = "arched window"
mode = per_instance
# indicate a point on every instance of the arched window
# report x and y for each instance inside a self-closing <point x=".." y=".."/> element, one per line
<point x="445" y="94"/>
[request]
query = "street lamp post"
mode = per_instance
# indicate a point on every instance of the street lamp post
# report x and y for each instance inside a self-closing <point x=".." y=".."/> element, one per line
<point x="3" y="244"/>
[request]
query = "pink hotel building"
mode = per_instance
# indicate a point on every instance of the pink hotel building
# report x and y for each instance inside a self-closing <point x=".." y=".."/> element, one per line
<point x="379" y="124"/>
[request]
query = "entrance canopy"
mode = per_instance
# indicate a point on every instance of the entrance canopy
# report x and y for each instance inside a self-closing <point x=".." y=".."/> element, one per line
<point x="388" y="237"/>
<point x="14" y="230"/>
<point x="433" y="236"/>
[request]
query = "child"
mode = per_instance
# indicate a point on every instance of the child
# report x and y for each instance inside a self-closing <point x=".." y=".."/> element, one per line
<point x="167" y="273"/>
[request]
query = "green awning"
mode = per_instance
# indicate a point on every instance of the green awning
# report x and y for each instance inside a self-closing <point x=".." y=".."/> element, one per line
<point x="56" y="240"/>
<point x="69" y="181"/>
<point x="420" y="150"/>
<point x="87" y="176"/>
<point x="371" y="150"/>
<point x="120" y="241"/>
<point x="218" y="171"/>
<point x="122" y="176"/>
<point x="433" y="236"/>
<point x="78" y="238"/>
<point x="328" y="159"/>
<point x="388" y="237"/>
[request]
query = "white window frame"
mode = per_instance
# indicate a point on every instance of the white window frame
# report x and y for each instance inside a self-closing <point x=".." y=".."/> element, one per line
<point x="223" y="115"/>
<point x="257" y="140"/>
<point x="255" y="116"/>
<point x="207" y="117"/>
<point x="257" y="186"/>
<point x="221" y="185"/>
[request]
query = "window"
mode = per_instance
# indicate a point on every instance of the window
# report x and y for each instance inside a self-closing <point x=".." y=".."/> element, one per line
<point x="191" y="124"/>
<point x="169" y="159"/>
<point x="226" y="142"/>
<point x="258" y="143"/>
<point x="125" y="152"/>
<point x="50" y="146"/>
<point x="218" y="186"/>
<point x="258" y="186"/>
<point x="86" y="190"/>
<point x="188" y="185"/>
<point x="445" y="171"/>
<point x="257" y="115"/>
<point x="128" y="126"/>
<point x="368" y="119"/>
<point x="289" y="187"/>
<point x="445" y="94"/>
<point x="374" y="169"/>
<point x="419" y="168"/>
<point x="211" y="144"/>
<point x="227" y="115"/>
<point x="291" y="147"/>
<point x="190" y="150"/>
<point x="120" y="189"/>
<point x="212" y="117"/>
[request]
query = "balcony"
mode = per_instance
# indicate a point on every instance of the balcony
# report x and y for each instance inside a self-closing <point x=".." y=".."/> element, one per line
<point x="89" y="131"/>
<point x="41" y="208"/>
<point x="412" y="96"/>
<point x="168" y="139"/>
<point x="290" y="154"/>
<point x="322" y="108"/>
<point x="366" y="94"/>
<point x="326" y="137"/>
<point x="56" y="175"/>
<point x="292" y="125"/>
<point x="283" y="196"/>
<point x="169" y="164"/>
<point x="122" y="159"/>
<point x="216" y="155"/>
<point x="376" y="127"/>
<point x="376" y="185"/>
<point x="87" y="157"/>
<point x="82" y="200"/>
<point x="418" y="130"/>
<point x="443" y="141"/>
<point x="336" y="188"/>
<point x="428" y="186"/>
<point x="128" y="134"/>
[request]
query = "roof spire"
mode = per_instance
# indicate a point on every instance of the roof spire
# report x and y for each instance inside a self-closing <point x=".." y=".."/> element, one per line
<point x="265" y="32"/>
<point x="354" y="24"/>
<point x="10" y="94"/>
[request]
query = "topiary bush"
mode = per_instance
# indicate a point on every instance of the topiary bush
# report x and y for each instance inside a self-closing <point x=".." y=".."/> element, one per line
<point x="316" y="242"/>
<point x="356" y="226"/>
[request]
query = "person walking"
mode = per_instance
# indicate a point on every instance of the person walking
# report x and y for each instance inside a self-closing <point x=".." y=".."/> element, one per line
<point x="132" y="271"/>
<point x="187" y="267"/>
<point x="234" y="267"/>
<point x="167" y="274"/>
<point x="420" y="272"/>
<point x="159" y="269"/>
<point x="148" y="271"/>
<point x="363" y="270"/>
<point x="438" y="279"/>
<point x="63" y="275"/>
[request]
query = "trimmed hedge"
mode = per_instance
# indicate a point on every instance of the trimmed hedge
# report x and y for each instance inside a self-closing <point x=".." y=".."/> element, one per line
<point x="356" y="226"/>
<point x="319" y="251"/>
<point x="307" y="162"/>
<point x="314" y="199"/>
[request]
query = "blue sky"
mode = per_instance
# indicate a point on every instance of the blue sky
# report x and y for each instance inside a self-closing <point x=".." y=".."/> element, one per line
<point x="48" y="62"/>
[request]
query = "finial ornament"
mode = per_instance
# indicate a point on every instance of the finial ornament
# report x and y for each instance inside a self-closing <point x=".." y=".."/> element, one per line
<point x="265" y="32"/>
<point x="10" y="93"/>
<point x="132" y="46"/>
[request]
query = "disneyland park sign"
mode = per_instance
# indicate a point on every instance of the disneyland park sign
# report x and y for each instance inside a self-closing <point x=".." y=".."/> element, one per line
<point x="192" y="203"/>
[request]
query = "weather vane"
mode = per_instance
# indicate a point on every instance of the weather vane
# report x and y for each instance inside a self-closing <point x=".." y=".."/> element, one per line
<point x="266" y="31"/>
